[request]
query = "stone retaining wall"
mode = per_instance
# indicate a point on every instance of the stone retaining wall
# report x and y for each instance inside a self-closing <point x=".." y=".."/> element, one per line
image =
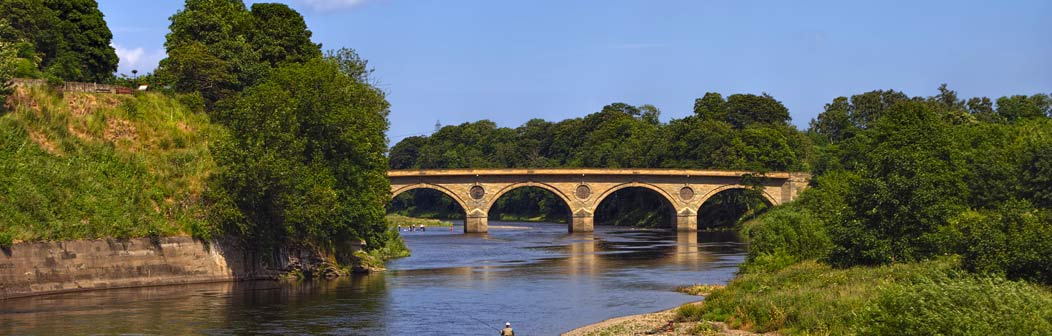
<point x="53" y="267"/>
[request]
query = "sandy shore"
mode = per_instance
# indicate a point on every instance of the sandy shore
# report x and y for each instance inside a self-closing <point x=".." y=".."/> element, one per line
<point x="659" y="323"/>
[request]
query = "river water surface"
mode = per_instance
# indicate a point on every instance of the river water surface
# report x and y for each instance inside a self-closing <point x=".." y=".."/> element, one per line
<point x="534" y="275"/>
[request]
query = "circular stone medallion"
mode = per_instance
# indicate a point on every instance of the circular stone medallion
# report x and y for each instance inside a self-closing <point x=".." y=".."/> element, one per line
<point x="686" y="193"/>
<point x="583" y="191"/>
<point x="477" y="192"/>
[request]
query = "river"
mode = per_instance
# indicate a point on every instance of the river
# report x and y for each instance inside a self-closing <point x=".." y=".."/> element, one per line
<point x="534" y="275"/>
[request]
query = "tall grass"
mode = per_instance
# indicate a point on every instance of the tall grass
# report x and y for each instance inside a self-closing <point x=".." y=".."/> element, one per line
<point x="927" y="298"/>
<point x="82" y="165"/>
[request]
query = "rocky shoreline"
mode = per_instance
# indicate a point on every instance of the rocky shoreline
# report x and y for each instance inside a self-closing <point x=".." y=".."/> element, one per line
<point x="660" y="323"/>
<point x="664" y="322"/>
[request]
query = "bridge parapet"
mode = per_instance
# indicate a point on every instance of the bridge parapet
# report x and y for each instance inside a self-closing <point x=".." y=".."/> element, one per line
<point x="476" y="190"/>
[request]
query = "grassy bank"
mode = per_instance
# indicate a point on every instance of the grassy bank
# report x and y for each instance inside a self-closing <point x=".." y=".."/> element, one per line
<point x="394" y="220"/>
<point x="79" y="165"/>
<point x="926" y="298"/>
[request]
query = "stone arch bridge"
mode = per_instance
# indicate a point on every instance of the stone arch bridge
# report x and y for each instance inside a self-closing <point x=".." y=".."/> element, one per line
<point x="583" y="189"/>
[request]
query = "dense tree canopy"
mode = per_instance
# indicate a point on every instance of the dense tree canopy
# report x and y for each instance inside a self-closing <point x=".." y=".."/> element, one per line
<point x="901" y="179"/>
<point x="619" y="135"/>
<point x="67" y="39"/>
<point x="305" y="158"/>
<point x="219" y="47"/>
<point x="280" y="35"/>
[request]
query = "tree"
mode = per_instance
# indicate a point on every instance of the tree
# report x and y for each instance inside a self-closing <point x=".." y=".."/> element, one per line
<point x="86" y="54"/>
<point x="710" y="107"/>
<point x="953" y="109"/>
<point x="834" y="125"/>
<point x="406" y="153"/>
<point x="32" y="22"/>
<point x="1011" y="240"/>
<point x="67" y="39"/>
<point x="983" y="110"/>
<point x="1020" y="107"/>
<point x="280" y="35"/>
<point x="911" y="183"/>
<point x="1036" y="177"/>
<point x="868" y="107"/>
<point x="304" y="162"/>
<point x="747" y="109"/>
<point x="208" y="49"/>
<point x="192" y="68"/>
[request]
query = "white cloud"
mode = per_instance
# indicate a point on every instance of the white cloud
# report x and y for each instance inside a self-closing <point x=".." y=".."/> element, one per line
<point x="320" y="5"/>
<point x="137" y="59"/>
<point x="129" y="57"/>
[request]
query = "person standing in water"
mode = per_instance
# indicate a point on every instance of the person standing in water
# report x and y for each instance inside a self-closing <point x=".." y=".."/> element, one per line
<point x="507" y="330"/>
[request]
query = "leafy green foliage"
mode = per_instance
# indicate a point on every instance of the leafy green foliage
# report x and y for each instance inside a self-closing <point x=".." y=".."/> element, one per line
<point x="921" y="165"/>
<point x="219" y="47"/>
<point x="305" y="160"/>
<point x="911" y="183"/>
<point x="1013" y="241"/>
<point x="1021" y="107"/>
<point x="67" y="39"/>
<point x="1036" y="177"/>
<point x="948" y="304"/>
<point x="932" y="297"/>
<point x="784" y="236"/>
<point x="280" y="35"/>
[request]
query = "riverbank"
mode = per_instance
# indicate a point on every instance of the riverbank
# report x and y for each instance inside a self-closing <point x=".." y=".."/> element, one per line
<point x="931" y="297"/>
<point x="921" y="298"/>
<point x="396" y="220"/>
<point x="665" y="322"/>
<point x="38" y="268"/>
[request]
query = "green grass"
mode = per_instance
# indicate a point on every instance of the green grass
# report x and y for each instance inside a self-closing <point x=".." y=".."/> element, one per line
<point x="927" y="298"/>
<point x="81" y="165"/>
<point x="394" y="220"/>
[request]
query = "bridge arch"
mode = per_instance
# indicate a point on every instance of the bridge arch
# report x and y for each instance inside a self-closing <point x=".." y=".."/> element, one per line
<point x="600" y="184"/>
<point x="674" y="206"/>
<point x="440" y="188"/>
<point x="610" y="191"/>
<point x="545" y="186"/>
<point x="766" y="196"/>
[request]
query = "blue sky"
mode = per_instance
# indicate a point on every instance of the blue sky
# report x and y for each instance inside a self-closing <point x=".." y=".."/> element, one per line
<point x="511" y="61"/>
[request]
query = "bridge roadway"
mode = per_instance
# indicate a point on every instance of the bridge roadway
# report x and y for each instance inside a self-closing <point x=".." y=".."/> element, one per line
<point x="584" y="188"/>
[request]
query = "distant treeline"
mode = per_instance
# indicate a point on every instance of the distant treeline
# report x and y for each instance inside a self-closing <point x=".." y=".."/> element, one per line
<point x="741" y="132"/>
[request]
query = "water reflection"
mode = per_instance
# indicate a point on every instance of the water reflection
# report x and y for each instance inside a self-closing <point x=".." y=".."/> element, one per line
<point x="535" y="275"/>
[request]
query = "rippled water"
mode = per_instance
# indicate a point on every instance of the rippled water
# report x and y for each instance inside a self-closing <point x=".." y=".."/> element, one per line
<point x="535" y="275"/>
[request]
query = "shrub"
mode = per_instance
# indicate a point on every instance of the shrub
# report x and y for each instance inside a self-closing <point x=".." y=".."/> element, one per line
<point x="783" y="236"/>
<point x="925" y="298"/>
<point x="1013" y="240"/>
<point x="938" y="304"/>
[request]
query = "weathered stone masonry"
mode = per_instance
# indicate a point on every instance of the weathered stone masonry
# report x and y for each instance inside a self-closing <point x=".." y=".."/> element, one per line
<point x="583" y="189"/>
<point x="54" y="267"/>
